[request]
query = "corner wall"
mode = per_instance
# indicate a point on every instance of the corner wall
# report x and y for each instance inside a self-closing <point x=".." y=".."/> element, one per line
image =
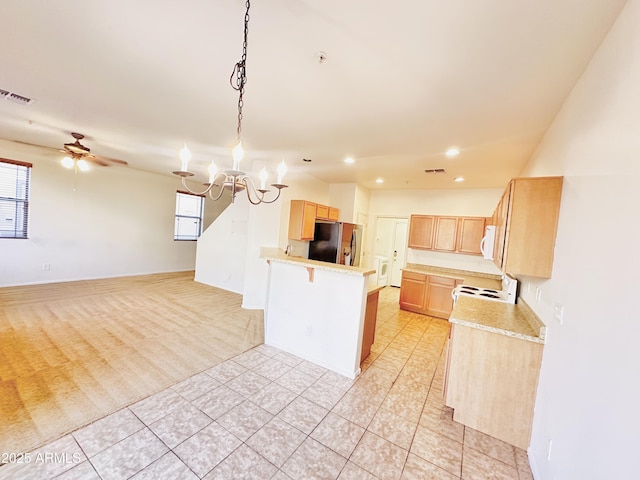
<point x="586" y="422"/>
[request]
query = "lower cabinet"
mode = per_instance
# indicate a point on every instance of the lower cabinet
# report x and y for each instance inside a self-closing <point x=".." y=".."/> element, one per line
<point x="427" y="294"/>
<point x="369" y="331"/>
<point x="491" y="381"/>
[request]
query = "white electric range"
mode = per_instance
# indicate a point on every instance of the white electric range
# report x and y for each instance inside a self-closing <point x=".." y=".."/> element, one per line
<point x="508" y="293"/>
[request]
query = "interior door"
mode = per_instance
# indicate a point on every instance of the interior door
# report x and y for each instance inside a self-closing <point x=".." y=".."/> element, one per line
<point x="391" y="242"/>
<point x="398" y="256"/>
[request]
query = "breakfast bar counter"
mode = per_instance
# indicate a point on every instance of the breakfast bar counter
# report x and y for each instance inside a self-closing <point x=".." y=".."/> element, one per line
<point x="316" y="310"/>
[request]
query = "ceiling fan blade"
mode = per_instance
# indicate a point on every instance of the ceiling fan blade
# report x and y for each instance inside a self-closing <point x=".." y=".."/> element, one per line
<point x="96" y="161"/>
<point x="35" y="145"/>
<point x="112" y="160"/>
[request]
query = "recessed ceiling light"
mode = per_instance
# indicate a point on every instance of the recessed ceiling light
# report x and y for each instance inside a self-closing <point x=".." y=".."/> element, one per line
<point x="349" y="160"/>
<point x="452" y="152"/>
<point x="458" y="179"/>
<point x="379" y="180"/>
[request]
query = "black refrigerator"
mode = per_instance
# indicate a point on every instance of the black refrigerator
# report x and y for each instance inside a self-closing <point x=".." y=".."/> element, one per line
<point x="335" y="243"/>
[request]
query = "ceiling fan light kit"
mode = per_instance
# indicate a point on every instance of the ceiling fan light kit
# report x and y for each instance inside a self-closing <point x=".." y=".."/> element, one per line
<point x="234" y="180"/>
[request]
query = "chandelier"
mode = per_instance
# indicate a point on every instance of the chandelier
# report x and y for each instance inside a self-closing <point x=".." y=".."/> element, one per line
<point x="234" y="180"/>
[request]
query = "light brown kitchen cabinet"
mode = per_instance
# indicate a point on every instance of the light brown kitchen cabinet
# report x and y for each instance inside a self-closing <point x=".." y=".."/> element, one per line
<point x="491" y="381"/>
<point x="421" y="229"/>
<point x="527" y="218"/>
<point x="470" y="233"/>
<point x="427" y="294"/>
<point x="413" y="292"/>
<point x="322" y="212"/>
<point x="334" y="214"/>
<point x="302" y="220"/>
<point x="369" y="330"/>
<point x="439" y="300"/>
<point x="446" y="234"/>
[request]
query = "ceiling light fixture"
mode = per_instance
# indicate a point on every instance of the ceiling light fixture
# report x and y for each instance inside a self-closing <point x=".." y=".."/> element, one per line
<point x="452" y="152"/>
<point x="458" y="179"/>
<point x="379" y="180"/>
<point x="76" y="162"/>
<point x="349" y="160"/>
<point x="235" y="179"/>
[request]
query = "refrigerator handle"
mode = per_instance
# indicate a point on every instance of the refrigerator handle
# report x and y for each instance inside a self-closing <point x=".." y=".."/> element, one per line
<point x="482" y="242"/>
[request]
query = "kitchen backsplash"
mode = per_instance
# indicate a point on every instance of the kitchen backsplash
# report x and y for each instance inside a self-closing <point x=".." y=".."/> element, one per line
<point x="473" y="263"/>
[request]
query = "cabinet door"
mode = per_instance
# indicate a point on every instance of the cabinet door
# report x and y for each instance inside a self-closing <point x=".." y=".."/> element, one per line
<point x="322" y="212"/>
<point x="302" y="219"/>
<point x="501" y="228"/>
<point x="532" y="222"/>
<point x="413" y="292"/>
<point x="334" y="214"/>
<point x="470" y="233"/>
<point x="421" y="231"/>
<point x="446" y="234"/>
<point x="439" y="300"/>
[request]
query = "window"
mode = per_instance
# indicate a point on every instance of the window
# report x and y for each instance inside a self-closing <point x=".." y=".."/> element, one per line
<point x="189" y="213"/>
<point x="14" y="198"/>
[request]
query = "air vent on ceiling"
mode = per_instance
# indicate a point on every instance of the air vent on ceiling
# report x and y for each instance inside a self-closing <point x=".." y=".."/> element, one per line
<point x="435" y="170"/>
<point x="14" y="97"/>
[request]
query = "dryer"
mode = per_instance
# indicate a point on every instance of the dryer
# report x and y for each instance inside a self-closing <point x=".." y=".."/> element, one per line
<point x="381" y="264"/>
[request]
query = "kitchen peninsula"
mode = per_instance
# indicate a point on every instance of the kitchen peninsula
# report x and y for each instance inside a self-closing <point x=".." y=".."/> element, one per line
<point x="316" y="310"/>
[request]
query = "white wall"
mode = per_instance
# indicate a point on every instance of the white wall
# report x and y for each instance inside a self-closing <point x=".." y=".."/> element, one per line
<point x="589" y="389"/>
<point x="118" y="221"/>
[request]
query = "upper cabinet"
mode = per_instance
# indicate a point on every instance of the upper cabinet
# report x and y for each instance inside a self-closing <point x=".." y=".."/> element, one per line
<point x="302" y="220"/>
<point x="447" y="234"/>
<point x="421" y="231"/>
<point x="527" y="221"/>
<point x="445" y="238"/>
<point x="303" y="216"/>
<point x="470" y="233"/>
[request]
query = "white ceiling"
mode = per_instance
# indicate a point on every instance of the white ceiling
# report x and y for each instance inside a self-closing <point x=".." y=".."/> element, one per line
<point x="403" y="81"/>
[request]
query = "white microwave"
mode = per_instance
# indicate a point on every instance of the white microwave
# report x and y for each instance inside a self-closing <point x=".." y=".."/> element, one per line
<point x="487" y="242"/>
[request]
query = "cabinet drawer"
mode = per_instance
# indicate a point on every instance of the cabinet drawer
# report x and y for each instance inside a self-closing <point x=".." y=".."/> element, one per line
<point x="420" y="277"/>
<point x="446" y="281"/>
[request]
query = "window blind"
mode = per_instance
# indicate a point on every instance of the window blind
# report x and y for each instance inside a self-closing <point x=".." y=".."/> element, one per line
<point x="14" y="198"/>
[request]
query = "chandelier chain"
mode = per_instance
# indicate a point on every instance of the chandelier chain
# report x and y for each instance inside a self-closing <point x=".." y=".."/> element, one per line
<point x="239" y="74"/>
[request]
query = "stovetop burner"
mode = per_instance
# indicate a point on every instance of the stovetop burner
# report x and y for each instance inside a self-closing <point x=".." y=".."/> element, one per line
<point x="490" y="295"/>
<point x="507" y="294"/>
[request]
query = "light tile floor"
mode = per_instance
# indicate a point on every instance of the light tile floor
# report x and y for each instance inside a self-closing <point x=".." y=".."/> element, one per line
<point x="267" y="414"/>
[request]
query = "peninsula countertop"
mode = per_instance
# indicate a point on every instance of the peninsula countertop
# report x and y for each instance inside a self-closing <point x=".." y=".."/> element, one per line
<point x="513" y="320"/>
<point x="277" y="255"/>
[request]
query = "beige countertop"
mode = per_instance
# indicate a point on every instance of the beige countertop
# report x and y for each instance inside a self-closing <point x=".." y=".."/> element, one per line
<point x="516" y="321"/>
<point x="475" y="279"/>
<point x="277" y="255"/>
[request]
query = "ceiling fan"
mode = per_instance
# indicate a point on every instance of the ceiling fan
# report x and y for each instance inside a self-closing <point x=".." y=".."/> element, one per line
<point x="78" y="155"/>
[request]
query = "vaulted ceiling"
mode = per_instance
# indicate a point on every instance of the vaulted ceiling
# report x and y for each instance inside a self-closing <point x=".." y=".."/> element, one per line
<point x="401" y="83"/>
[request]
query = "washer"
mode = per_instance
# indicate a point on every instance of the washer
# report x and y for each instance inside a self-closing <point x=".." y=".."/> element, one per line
<point x="382" y="267"/>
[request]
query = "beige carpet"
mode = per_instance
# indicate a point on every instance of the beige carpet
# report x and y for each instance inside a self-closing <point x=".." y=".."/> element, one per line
<point x="73" y="352"/>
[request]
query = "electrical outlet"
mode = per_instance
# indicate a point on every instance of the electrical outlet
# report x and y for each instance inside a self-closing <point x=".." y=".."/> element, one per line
<point x="528" y="287"/>
<point x="549" y="450"/>
<point x="46" y="267"/>
<point x="558" y="313"/>
<point x="538" y="294"/>
<point x="308" y="331"/>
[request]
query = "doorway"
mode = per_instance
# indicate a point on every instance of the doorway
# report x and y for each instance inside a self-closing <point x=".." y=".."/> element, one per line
<point x="391" y="242"/>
